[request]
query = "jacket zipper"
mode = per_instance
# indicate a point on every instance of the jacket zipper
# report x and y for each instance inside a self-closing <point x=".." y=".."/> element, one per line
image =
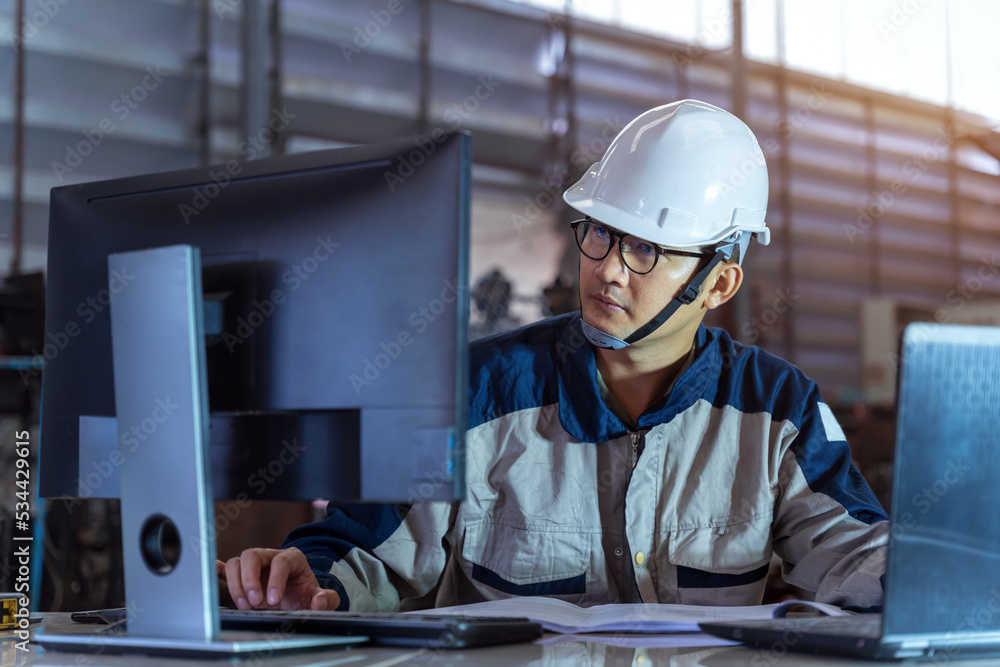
<point x="628" y="574"/>
<point x="635" y="448"/>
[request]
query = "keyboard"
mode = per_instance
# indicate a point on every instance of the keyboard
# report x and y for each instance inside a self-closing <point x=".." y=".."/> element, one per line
<point x="391" y="629"/>
<point x="860" y="626"/>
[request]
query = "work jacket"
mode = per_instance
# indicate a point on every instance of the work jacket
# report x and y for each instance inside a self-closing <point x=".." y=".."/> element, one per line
<point x="740" y="461"/>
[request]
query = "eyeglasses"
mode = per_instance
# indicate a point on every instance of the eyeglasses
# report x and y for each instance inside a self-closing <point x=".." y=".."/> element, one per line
<point x="595" y="241"/>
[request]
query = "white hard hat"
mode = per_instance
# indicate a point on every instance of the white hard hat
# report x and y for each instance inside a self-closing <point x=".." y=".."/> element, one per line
<point x="681" y="175"/>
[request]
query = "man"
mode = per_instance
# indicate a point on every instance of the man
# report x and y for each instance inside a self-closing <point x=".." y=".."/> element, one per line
<point x="625" y="453"/>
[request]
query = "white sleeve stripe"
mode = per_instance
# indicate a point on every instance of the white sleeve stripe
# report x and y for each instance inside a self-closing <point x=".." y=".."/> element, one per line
<point x="833" y="431"/>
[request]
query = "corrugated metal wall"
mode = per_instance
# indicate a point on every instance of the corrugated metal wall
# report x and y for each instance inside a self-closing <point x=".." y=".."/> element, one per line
<point x="871" y="194"/>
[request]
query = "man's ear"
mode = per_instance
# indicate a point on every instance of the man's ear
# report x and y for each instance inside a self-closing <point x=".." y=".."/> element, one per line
<point x="727" y="283"/>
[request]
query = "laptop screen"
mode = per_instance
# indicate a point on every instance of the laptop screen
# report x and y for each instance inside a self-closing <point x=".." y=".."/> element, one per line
<point x="943" y="573"/>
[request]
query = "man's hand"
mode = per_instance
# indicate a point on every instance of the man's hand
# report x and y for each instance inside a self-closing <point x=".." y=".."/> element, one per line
<point x="290" y="584"/>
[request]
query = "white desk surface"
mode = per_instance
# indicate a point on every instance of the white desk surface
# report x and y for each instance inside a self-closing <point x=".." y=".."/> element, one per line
<point x="570" y="653"/>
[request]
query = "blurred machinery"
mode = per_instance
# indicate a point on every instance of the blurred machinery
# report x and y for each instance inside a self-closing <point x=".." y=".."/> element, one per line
<point x="492" y="296"/>
<point x="493" y="299"/>
<point x="22" y="315"/>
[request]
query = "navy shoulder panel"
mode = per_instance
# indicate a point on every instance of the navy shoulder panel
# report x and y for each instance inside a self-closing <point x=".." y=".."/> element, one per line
<point x="754" y="380"/>
<point x="514" y="370"/>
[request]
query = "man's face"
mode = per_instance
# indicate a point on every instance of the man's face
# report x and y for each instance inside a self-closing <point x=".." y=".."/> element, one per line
<point x="619" y="301"/>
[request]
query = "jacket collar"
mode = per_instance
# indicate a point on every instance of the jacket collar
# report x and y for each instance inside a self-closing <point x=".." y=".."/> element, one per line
<point x="583" y="412"/>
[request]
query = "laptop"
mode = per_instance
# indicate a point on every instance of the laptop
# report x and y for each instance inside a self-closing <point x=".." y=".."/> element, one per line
<point x="942" y="584"/>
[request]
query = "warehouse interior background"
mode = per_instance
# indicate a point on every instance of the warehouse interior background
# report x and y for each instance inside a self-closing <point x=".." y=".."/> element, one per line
<point x="879" y="120"/>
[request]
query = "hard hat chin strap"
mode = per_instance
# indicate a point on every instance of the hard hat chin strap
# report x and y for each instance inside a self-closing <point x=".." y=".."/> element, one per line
<point x="601" y="339"/>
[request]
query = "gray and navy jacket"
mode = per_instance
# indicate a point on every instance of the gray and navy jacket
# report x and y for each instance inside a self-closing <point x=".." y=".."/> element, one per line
<point x="740" y="461"/>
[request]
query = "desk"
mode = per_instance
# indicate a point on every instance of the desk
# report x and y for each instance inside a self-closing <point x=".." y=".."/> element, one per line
<point x="569" y="653"/>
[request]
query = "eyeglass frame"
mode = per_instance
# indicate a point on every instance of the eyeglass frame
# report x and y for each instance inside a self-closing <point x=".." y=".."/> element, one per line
<point x="614" y="233"/>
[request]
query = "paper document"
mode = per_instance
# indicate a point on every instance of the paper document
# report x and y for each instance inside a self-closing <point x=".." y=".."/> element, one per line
<point x="565" y="617"/>
<point x="637" y="640"/>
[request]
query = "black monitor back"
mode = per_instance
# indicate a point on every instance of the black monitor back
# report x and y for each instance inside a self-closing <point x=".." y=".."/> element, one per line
<point x="336" y="312"/>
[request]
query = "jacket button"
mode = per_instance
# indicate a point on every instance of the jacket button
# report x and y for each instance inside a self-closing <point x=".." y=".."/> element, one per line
<point x="639" y="558"/>
<point x="618" y="551"/>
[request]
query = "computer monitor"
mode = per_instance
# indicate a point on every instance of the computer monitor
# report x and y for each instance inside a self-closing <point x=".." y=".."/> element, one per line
<point x="335" y="288"/>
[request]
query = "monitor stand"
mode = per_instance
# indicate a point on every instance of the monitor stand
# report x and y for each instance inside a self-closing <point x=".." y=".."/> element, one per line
<point x="168" y="538"/>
